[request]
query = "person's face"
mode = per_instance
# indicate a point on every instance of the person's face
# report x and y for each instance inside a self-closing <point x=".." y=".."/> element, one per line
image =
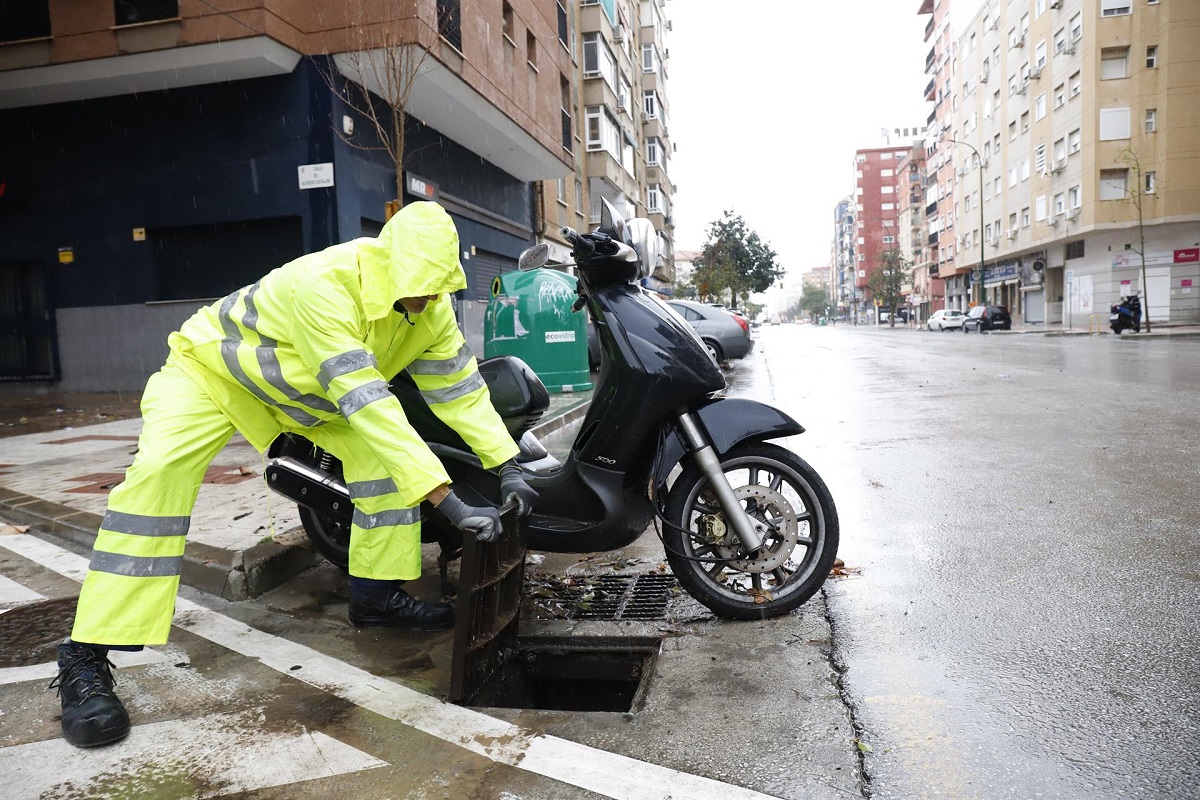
<point x="415" y="305"/>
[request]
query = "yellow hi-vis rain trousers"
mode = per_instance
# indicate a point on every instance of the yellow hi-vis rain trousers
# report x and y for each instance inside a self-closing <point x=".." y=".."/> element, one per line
<point x="308" y="348"/>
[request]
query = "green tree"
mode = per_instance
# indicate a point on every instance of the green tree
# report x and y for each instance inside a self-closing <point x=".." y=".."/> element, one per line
<point x="813" y="302"/>
<point x="735" y="258"/>
<point x="886" y="282"/>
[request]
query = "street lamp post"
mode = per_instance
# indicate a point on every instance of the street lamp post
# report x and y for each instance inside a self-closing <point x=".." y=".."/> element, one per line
<point x="979" y="160"/>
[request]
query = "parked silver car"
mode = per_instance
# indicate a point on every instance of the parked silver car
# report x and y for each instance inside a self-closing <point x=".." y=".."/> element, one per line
<point x="724" y="335"/>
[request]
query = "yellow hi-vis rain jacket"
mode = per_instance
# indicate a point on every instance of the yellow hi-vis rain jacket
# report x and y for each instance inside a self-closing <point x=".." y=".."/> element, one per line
<point x="309" y="348"/>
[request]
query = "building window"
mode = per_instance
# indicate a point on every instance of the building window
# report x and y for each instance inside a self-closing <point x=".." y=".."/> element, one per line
<point x="1152" y="57"/>
<point x="568" y="122"/>
<point x="1039" y="158"/>
<point x="131" y="12"/>
<point x="1012" y="176"/>
<point x="1073" y="250"/>
<point x="1012" y="131"/>
<point x="1075" y="196"/>
<point x="1039" y="56"/>
<point x="1060" y="40"/>
<point x="653" y="199"/>
<point x="1113" y="184"/>
<point x="1151" y="120"/>
<point x="1075" y="83"/>
<point x="24" y="20"/>
<point x="563" y="27"/>
<point x="603" y="133"/>
<point x="892" y="239"/>
<point x="1025" y="217"/>
<point x="1060" y="203"/>
<point x="1025" y="122"/>
<point x="531" y="49"/>
<point x="1073" y="141"/>
<point x="1150" y="183"/>
<point x="650" y="104"/>
<point x="578" y="196"/>
<point x="1039" y="106"/>
<point x="1114" y="63"/>
<point x="510" y="25"/>
<point x="450" y="22"/>
<point x="887" y="189"/>
<point x="1076" y="27"/>
<point x="1115" y="8"/>
<point x="649" y="58"/>
<point x="562" y="191"/>
<point x="598" y="60"/>
<point x="1060" y="149"/>
<point x="1025" y="170"/>
<point x="1039" y="207"/>
<point x="1114" y="124"/>
<point x="652" y="151"/>
<point x="1060" y="95"/>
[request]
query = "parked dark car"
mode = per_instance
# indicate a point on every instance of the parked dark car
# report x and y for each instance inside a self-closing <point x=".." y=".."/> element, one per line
<point x="724" y="334"/>
<point x="987" y="318"/>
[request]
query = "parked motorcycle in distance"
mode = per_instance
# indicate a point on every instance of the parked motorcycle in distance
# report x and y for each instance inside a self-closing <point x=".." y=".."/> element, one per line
<point x="1126" y="314"/>
<point x="749" y="528"/>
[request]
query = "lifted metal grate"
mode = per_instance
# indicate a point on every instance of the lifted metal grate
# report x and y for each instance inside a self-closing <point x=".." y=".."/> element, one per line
<point x="617" y="597"/>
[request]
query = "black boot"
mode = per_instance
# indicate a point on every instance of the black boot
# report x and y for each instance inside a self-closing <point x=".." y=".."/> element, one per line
<point x="91" y="713"/>
<point x="396" y="608"/>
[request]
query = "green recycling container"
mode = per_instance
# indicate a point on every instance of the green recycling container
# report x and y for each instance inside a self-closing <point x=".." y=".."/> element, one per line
<point x="529" y="316"/>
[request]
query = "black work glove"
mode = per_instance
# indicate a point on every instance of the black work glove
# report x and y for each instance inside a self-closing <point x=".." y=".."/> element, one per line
<point x="483" y="522"/>
<point x="513" y="485"/>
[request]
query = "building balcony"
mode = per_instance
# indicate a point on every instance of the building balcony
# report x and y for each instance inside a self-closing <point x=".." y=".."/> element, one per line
<point x="933" y="238"/>
<point x="931" y="89"/>
<point x="928" y="30"/>
<point x="931" y="209"/>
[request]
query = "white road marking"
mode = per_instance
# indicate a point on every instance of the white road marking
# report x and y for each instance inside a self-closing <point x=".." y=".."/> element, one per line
<point x="47" y="671"/>
<point x="13" y="594"/>
<point x="208" y="756"/>
<point x="595" y="770"/>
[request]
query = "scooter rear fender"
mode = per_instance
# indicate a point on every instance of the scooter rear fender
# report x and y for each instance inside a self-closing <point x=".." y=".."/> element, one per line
<point x="728" y="422"/>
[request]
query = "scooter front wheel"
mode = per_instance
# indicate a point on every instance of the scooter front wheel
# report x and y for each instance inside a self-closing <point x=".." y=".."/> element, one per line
<point x="778" y="489"/>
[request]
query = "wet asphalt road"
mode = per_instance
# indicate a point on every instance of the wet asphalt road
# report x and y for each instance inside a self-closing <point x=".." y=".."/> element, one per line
<point x="1024" y="512"/>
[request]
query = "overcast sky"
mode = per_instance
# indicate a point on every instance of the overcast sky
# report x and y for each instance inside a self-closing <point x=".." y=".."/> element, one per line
<point x="769" y="99"/>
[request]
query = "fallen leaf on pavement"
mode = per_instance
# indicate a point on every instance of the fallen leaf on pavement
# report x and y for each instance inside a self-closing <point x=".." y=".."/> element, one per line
<point x="9" y="530"/>
<point x="761" y="596"/>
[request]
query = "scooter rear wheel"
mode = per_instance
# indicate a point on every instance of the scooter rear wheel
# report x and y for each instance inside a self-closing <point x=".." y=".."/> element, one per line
<point x="775" y="487"/>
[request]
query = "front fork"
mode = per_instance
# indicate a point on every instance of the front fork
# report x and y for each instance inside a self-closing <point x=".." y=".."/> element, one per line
<point x="743" y="525"/>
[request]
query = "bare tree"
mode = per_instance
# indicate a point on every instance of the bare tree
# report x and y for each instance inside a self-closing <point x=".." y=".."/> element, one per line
<point x="376" y="76"/>
<point x="1136" y="193"/>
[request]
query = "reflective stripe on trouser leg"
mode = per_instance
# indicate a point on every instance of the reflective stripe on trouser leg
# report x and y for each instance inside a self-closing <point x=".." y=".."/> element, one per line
<point x="385" y="538"/>
<point x="128" y="596"/>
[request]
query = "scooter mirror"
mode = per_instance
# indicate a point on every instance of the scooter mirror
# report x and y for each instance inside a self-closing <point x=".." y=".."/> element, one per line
<point x="641" y="236"/>
<point x="611" y="221"/>
<point x="534" y="257"/>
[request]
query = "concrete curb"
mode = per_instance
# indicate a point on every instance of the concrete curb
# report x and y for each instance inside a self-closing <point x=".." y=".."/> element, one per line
<point x="231" y="574"/>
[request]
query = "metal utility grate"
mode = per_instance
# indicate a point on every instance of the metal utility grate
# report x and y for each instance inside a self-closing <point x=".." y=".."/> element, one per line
<point x="619" y="597"/>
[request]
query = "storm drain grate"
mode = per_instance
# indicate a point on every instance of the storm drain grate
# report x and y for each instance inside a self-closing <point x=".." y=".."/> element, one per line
<point x="617" y="597"/>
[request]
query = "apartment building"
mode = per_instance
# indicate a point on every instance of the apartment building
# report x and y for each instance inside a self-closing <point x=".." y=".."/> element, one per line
<point x="938" y="253"/>
<point x="922" y="293"/>
<point x="1082" y="113"/>
<point x="615" y="125"/>
<point x="156" y="154"/>
<point x="844" y="294"/>
<point x="876" y="213"/>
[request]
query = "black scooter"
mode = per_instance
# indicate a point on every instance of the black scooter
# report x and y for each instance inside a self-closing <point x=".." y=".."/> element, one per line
<point x="1126" y="314"/>
<point x="749" y="528"/>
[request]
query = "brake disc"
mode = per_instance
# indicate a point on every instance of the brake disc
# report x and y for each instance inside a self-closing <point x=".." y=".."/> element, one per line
<point x="779" y="540"/>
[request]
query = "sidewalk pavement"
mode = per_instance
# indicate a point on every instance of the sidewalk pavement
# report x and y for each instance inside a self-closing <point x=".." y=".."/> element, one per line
<point x="244" y="539"/>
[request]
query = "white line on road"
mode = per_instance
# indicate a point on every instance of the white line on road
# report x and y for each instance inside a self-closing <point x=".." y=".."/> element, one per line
<point x="207" y="756"/>
<point x="595" y="770"/>
<point x="13" y="594"/>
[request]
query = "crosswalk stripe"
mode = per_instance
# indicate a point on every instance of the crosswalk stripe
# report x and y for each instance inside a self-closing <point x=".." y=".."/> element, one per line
<point x="13" y="594"/>
<point x="210" y="754"/>
<point x="599" y="771"/>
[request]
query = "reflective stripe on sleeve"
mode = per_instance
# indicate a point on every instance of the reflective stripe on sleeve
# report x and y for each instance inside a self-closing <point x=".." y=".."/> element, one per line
<point x="229" y="350"/>
<point x="268" y="362"/>
<point x="343" y="364"/>
<point x="139" y="525"/>
<point x="388" y="518"/>
<point x="136" y="566"/>
<point x="443" y="366"/>
<point x="356" y="399"/>
<point x="464" y="387"/>
<point x="377" y="488"/>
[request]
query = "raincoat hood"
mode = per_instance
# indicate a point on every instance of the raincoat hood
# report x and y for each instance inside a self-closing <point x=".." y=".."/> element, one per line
<point x="415" y="255"/>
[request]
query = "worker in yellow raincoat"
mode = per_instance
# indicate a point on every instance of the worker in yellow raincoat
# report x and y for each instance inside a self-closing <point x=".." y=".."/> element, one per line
<point x="308" y="348"/>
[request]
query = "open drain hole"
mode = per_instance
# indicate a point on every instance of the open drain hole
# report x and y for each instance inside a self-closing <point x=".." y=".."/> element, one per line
<point x="572" y="674"/>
